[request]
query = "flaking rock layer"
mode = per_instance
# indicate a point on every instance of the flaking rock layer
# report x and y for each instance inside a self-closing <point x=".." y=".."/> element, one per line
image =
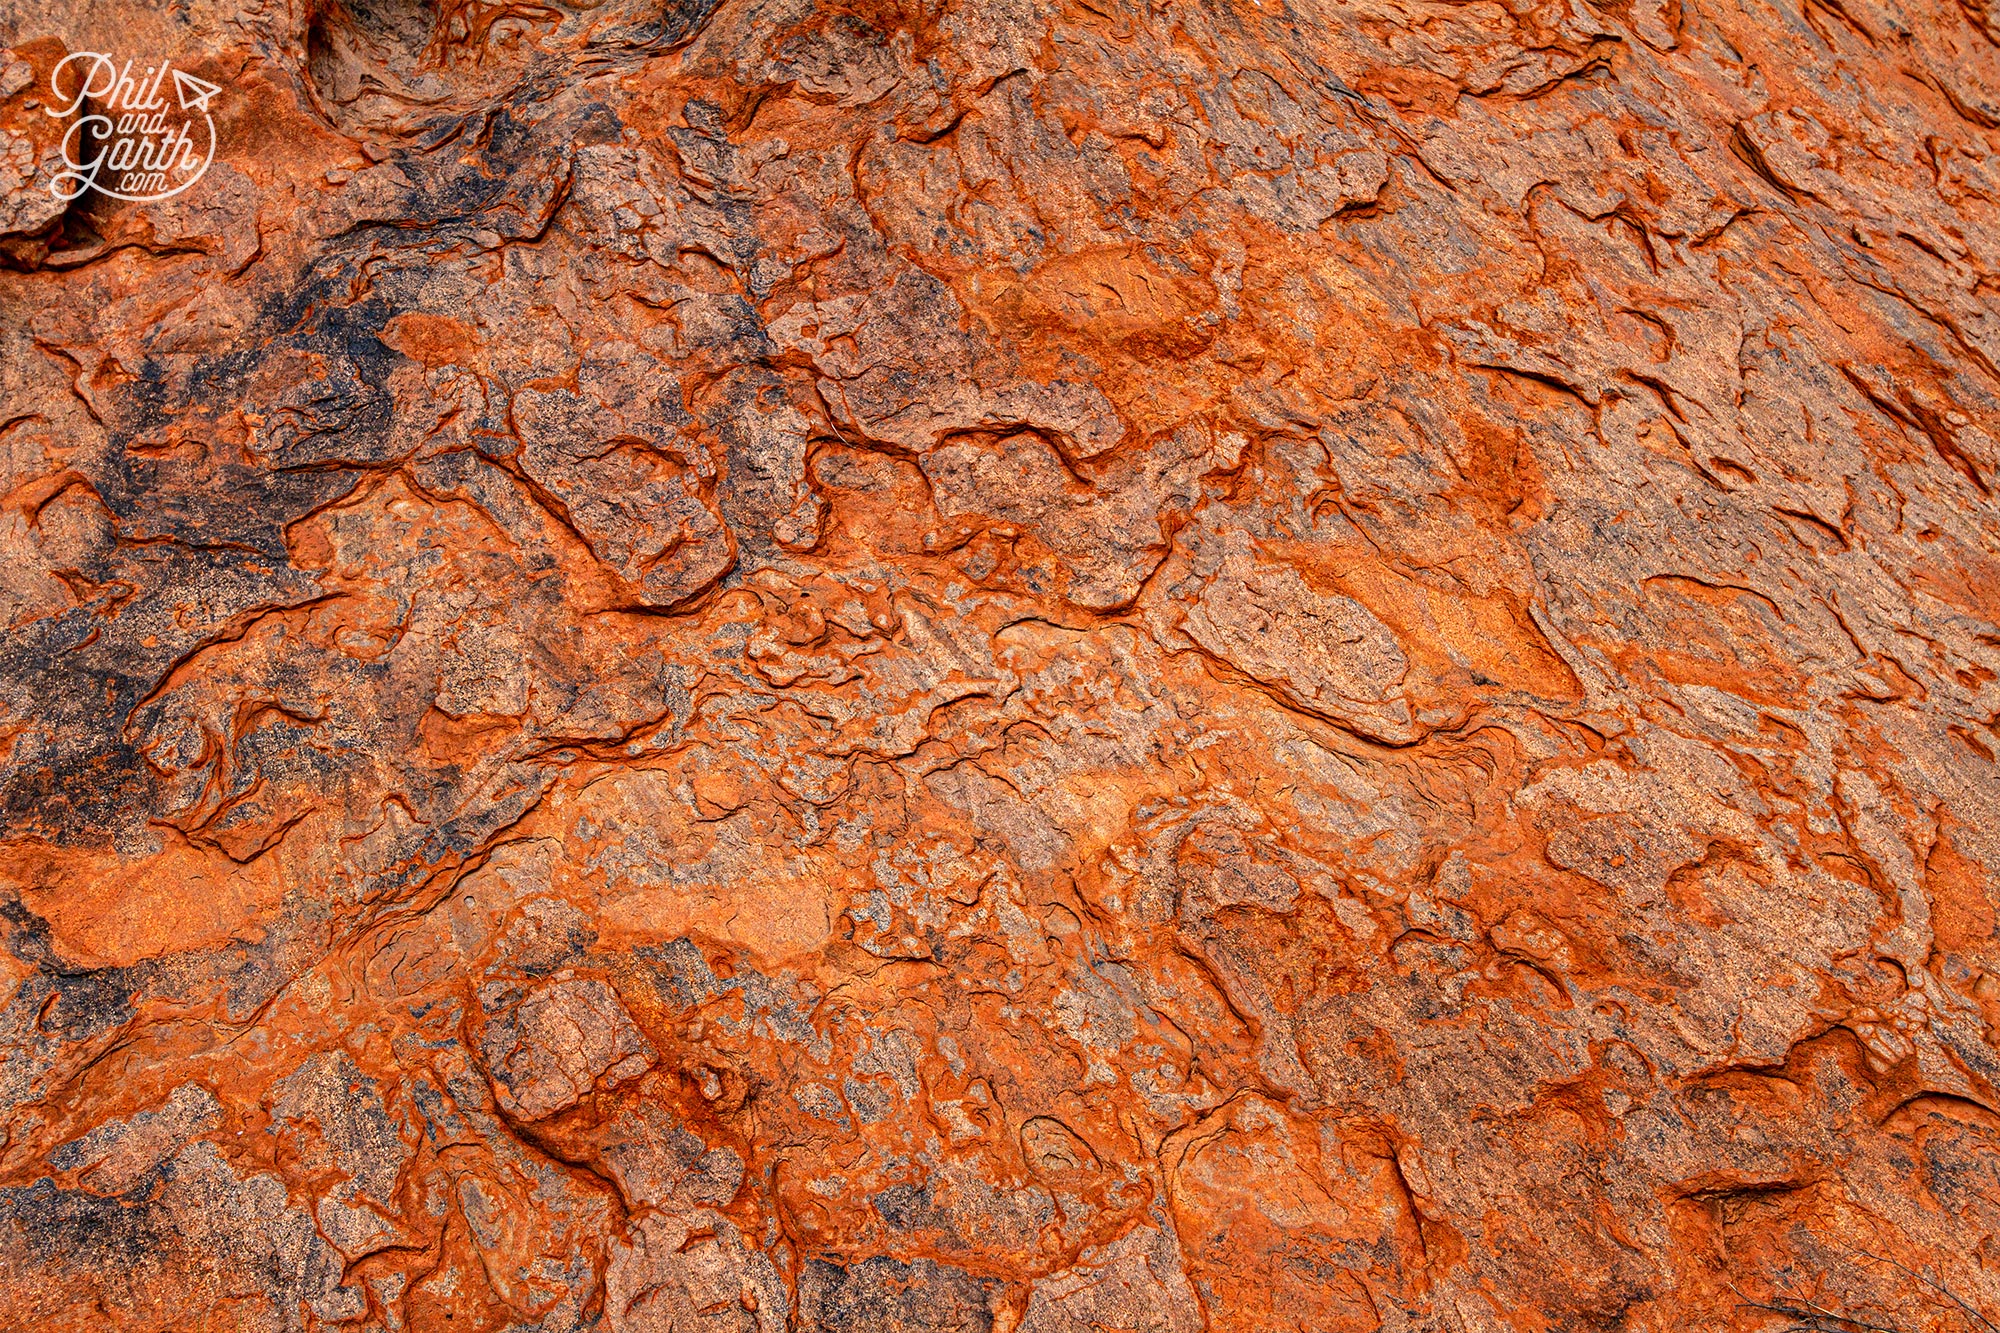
<point x="1006" y="666"/>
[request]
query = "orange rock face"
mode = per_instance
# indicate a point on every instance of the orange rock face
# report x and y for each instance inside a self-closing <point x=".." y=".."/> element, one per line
<point x="1005" y="666"/>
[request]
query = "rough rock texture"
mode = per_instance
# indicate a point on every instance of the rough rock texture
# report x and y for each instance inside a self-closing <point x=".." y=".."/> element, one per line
<point x="1043" y="665"/>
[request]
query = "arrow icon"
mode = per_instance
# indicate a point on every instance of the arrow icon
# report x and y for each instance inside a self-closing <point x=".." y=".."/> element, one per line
<point x="194" y="93"/>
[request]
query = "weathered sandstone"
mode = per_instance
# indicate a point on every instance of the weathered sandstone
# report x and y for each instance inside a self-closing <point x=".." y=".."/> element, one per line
<point x="1054" y="666"/>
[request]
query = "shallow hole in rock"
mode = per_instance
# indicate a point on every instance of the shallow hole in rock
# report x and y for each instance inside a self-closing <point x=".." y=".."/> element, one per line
<point x="372" y="62"/>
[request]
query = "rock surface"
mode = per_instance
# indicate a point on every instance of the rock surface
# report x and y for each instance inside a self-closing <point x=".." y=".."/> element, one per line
<point x="1023" y="665"/>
